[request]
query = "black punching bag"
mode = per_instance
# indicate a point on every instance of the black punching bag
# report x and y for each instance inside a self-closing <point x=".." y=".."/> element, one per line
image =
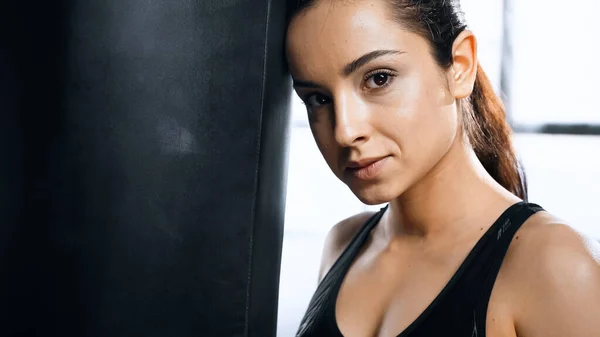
<point x="143" y="166"/>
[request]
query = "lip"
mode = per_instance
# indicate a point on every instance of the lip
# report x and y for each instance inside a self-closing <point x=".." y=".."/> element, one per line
<point x="366" y="169"/>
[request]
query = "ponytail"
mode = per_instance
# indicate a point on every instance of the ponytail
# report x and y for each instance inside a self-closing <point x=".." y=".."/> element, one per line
<point x="489" y="134"/>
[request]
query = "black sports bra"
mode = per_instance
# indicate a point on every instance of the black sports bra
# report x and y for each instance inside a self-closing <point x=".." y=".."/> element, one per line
<point x="458" y="310"/>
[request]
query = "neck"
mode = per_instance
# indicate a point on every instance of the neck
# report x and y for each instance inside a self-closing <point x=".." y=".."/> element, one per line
<point x="456" y="195"/>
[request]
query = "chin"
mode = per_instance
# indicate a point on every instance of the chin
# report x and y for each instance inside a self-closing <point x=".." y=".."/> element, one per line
<point x="374" y="194"/>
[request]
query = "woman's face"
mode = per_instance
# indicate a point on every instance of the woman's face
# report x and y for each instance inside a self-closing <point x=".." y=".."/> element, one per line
<point x="379" y="107"/>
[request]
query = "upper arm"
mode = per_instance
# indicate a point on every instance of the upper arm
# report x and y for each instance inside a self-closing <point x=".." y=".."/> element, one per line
<point x="338" y="238"/>
<point x="559" y="290"/>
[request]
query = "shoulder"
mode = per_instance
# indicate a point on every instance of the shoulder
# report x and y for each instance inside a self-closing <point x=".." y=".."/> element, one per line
<point x="338" y="238"/>
<point x="555" y="274"/>
<point x="546" y="244"/>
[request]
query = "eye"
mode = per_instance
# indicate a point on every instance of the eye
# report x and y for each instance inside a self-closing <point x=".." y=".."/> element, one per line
<point x="379" y="79"/>
<point x="316" y="100"/>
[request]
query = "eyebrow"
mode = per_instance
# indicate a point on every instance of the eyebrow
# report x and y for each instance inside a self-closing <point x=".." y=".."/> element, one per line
<point x="305" y="84"/>
<point x="366" y="58"/>
<point x="352" y="66"/>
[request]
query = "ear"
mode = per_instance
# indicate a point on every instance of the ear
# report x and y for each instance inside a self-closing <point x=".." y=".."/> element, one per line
<point x="464" y="66"/>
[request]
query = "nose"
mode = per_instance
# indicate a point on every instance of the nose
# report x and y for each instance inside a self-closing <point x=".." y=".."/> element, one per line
<point x="351" y="122"/>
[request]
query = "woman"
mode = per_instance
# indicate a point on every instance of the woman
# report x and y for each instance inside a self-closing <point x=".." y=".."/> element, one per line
<point x="404" y="115"/>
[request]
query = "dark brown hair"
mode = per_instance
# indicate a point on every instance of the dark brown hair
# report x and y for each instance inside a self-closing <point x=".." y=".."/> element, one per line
<point x="485" y="124"/>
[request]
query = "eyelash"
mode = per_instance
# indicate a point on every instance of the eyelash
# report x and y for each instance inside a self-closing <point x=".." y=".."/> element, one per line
<point x="391" y="76"/>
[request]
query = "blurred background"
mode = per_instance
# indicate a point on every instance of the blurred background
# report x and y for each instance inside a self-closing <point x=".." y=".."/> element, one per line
<point x="542" y="57"/>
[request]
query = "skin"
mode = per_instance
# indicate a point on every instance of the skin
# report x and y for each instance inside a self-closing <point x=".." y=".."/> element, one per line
<point x="404" y="107"/>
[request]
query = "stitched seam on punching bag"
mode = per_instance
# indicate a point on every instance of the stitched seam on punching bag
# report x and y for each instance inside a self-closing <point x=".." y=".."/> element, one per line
<point x="256" y="173"/>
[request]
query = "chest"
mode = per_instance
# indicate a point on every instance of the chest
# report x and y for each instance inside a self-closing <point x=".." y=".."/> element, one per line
<point x="384" y="294"/>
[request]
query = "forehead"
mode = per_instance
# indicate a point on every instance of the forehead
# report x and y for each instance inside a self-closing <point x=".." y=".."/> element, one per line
<point x="335" y="32"/>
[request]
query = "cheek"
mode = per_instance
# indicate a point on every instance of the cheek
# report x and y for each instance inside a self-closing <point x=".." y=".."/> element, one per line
<point x="326" y="143"/>
<point x="424" y="123"/>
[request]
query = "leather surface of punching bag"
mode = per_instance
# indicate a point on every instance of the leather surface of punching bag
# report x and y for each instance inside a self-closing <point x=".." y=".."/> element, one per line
<point x="143" y="167"/>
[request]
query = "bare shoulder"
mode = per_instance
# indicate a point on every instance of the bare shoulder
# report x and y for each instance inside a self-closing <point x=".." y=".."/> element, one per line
<point x="546" y="241"/>
<point x="338" y="238"/>
<point x="554" y="272"/>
